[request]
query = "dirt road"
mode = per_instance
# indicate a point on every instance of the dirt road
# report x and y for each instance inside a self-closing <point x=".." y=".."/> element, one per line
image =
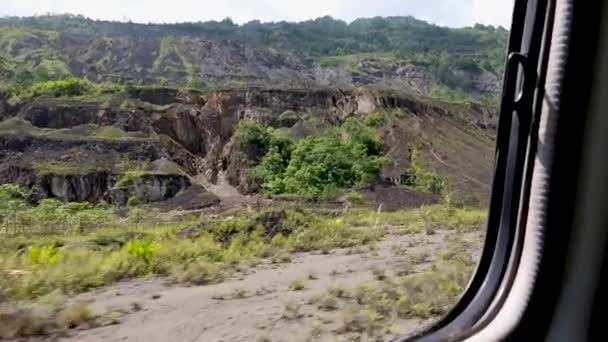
<point x="254" y="305"/>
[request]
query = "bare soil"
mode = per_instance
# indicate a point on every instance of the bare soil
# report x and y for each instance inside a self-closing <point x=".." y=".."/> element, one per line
<point x="252" y="306"/>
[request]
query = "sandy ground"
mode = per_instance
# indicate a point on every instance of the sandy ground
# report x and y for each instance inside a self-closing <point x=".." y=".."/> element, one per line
<point x="251" y="305"/>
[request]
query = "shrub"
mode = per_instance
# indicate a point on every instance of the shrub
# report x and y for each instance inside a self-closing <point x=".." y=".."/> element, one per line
<point x="141" y="249"/>
<point x="314" y="167"/>
<point x="421" y="179"/>
<point x="320" y="166"/>
<point x="45" y="255"/>
<point x="66" y="87"/>
<point x="374" y="120"/>
<point x="197" y="273"/>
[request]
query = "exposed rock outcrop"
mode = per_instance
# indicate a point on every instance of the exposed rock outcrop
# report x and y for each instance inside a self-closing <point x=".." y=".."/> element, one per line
<point x="194" y="130"/>
<point x="95" y="186"/>
<point x="148" y="188"/>
<point x="90" y="187"/>
<point x="191" y="198"/>
<point x="49" y="113"/>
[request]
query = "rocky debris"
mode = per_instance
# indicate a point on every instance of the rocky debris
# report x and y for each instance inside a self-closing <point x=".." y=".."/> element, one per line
<point x="148" y="188"/>
<point x="191" y="198"/>
<point x="193" y="131"/>
<point x="417" y="77"/>
<point x="394" y="197"/>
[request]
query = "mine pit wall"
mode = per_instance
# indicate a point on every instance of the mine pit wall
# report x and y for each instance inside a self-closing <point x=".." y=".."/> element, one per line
<point x="194" y="129"/>
<point x="95" y="186"/>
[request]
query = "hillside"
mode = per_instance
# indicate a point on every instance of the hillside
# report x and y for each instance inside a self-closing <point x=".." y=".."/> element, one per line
<point x="108" y="111"/>
<point x="75" y="148"/>
<point x="394" y="53"/>
<point x="329" y="177"/>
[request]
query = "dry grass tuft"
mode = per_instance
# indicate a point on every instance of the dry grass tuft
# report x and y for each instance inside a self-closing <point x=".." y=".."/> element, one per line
<point x="292" y="311"/>
<point x="74" y="315"/>
<point x="297" y="285"/>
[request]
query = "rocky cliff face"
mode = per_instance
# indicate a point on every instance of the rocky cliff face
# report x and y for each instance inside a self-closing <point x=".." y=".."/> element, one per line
<point x="194" y="60"/>
<point x="74" y="150"/>
<point x="94" y="186"/>
<point x="149" y="188"/>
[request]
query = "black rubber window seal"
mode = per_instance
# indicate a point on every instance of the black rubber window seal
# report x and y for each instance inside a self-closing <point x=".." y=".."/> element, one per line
<point x="515" y="142"/>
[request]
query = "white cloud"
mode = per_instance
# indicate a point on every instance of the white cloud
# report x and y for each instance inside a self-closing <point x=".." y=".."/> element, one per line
<point x="442" y="12"/>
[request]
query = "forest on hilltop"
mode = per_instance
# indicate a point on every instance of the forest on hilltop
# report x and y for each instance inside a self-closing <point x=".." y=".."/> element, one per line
<point x="454" y="57"/>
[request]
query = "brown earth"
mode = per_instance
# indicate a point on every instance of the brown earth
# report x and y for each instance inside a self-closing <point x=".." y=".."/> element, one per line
<point x="153" y="58"/>
<point x="194" y="130"/>
<point x="252" y="306"/>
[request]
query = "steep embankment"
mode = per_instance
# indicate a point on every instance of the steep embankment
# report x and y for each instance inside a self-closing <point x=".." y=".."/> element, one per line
<point x="146" y="144"/>
<point x="382" y="53"/>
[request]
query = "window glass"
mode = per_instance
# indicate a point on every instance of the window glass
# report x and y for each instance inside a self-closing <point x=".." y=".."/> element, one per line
<point x="243" y="171"/>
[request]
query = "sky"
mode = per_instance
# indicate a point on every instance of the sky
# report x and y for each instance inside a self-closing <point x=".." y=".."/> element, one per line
<point x="453" y="13"/>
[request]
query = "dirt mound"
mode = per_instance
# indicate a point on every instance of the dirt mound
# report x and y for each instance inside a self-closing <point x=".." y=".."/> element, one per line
<point x="192" y="198"/>
<point x="394" y="197"/>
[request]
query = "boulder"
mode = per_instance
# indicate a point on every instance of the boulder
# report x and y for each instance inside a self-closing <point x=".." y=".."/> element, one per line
<point x="149" y="188"/>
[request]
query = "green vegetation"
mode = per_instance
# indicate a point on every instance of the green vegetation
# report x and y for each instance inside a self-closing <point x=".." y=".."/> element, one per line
<point x="17" y="126"/>
<point x="418" y="177"/>
<point x="130" y="171"/>
<point x="319" y="37"/>
<point x="58" y="238"/>
<point x="55" y="249"/>
<point x="50" y="216"/>
<point x="370" y="309"/>
<point x="76" y="246"/>
<point x="110" y="132"/>
<point x="59" y="88"/>
<point x="71" y="87"/>
<point x="314" y="167"/>
<point x="447" y="94"/>
<point x="418" y="220"/>
<point x="197" y="84"/>
<point x="56" y="167"/>
<point x="445" y="52"/>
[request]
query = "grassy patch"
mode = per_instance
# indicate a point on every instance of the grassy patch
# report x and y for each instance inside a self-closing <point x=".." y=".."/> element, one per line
<point x="54" y="80"/>
<point x="371" y="309"/>
<point x="130" y="171"/>
<point x="18" y="126"/>
<point x="74" y="247"/>
<point x="420" y="178"/>
<point x="420" y="220"/>
<point x="110" y="132"/>
<point x="55" y="167"/>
